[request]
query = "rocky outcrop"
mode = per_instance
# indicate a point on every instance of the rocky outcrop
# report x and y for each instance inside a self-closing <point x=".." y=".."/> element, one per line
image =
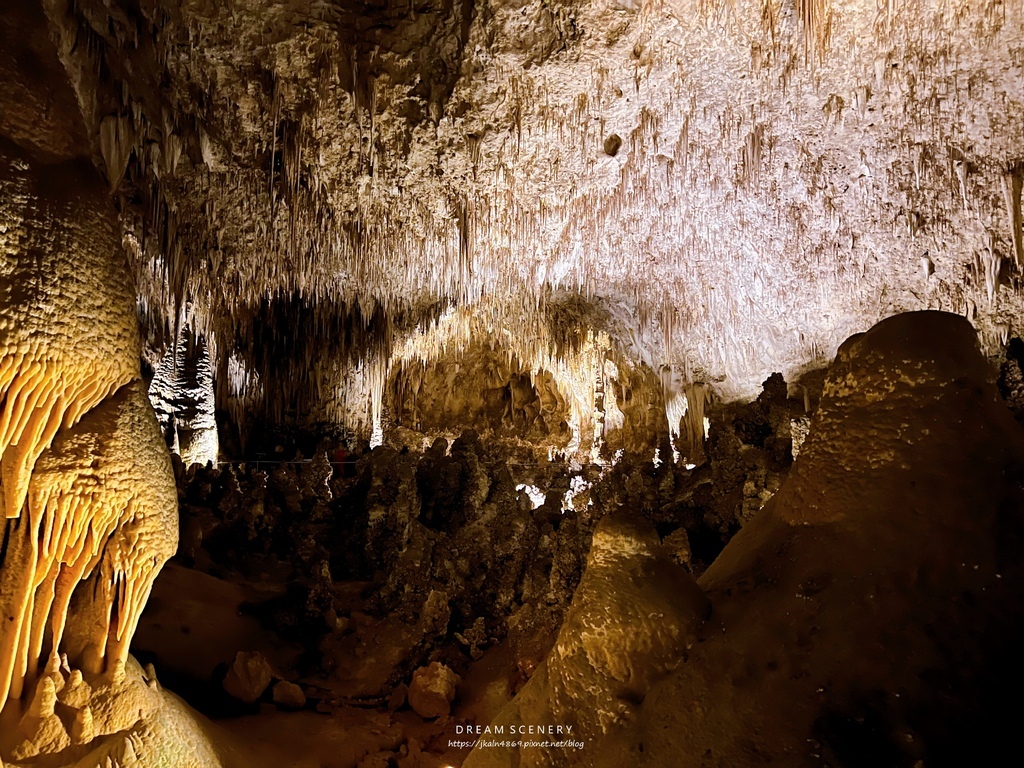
<point x="432" y="690"/>
<point x="633" y="619"/>
<point x="90" y="510"/>
<point x="248" y="677"/>
<point x="86" y="483"/>
<point x="121" y="718"/>
<point x="871" y="613"/>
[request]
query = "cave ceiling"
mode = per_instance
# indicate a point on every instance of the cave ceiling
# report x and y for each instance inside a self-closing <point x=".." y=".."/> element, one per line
<point x="721" y="188"/>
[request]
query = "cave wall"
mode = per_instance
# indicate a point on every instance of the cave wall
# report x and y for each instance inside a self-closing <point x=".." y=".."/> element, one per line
<point x="483" y="389"/>
<point x="86" y="482"/>
<point x="869" y="614"/>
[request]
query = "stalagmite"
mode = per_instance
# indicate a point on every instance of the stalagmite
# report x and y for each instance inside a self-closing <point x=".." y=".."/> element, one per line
<point x="182" y="394"/>
<point x="633" y="618"/>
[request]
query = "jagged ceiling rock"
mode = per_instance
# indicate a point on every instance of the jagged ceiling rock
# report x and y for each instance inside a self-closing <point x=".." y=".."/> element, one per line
<point x="733" y="187"/>
<point x="47" y="119"/>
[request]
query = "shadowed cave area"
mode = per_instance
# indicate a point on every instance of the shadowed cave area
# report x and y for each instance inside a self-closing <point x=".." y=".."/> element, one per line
<point x="511" y="383"/>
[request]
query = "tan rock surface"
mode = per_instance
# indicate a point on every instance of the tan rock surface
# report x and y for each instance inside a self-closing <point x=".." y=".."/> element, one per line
<point x="432" y="690"/>
<point x="864" y="614"/>
<point x="248" y="677"/>
<point x="634" y="618"/>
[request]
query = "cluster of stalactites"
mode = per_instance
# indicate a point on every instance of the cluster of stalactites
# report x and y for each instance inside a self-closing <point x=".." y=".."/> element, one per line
<point x="560" y="341"/>
<point x="182" y="394"/>
<point x="687" y="424"/>
<point x="101" y="509"/>
<point x="39" y="398"/>
<point x="735" y="300"/>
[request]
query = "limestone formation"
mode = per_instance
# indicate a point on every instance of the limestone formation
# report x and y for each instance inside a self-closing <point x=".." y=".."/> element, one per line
<point x="404" y="185"/>
<point x="634" y="618"/>
<point x="85" y="480"/>
<point x="86" y="484"/>
<point x="124" y="720"/>
<point x="866" y="616"/>
<point x="249" y="676"/>
<point x="182" y="393"/>
<point x="454" y="316"/>
<point x="432" y="690"/>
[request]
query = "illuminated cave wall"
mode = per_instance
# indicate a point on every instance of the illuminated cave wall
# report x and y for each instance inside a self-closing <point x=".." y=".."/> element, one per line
<point x="484" y="390"/>
<point x="90" y="506"/>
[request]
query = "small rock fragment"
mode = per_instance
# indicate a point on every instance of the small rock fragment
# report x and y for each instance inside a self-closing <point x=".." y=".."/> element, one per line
<point x="249" y="676"/>
<point x="398" y="697"/>
<point x="432" y="690"/>
<point x="289" y="695"/>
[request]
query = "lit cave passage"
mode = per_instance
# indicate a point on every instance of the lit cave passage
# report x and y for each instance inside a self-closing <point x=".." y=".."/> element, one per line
<point x="511" y="383"/>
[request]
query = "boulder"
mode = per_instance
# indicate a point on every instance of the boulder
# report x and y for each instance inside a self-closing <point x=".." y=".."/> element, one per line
<point x="289" y="695"/>
<point x="248" y="677"/>
<point x="432" y="690"/>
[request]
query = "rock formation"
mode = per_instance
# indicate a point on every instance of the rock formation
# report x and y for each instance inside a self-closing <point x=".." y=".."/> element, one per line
<point x="86" y="482"/>
<point x="87" y="486"/>
<point x="868" y="615"/>
<point x="454" y="315"/>
<point x="633" y="619"/>
<point x="182" y="395"/>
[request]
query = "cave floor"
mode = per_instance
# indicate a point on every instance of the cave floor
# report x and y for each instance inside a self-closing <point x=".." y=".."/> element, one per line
<point x="195" y="620"/>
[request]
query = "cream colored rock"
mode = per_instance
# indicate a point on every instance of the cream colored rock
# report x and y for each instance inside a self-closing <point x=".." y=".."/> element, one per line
<point x="85" y="478"/>
<point x="89" y="499"/>
<point x="68" y="335"/>
<point x="76" y="692"/>
<point x="820" y="151"/>
<point x="125" y="724"/>
<point x="432" y="690"/>
<point x="83" y="730"/>
<point x="40" y="725"/>
<point x="248" y="677"/>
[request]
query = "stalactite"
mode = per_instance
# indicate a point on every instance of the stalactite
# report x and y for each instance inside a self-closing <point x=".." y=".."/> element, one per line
<point x="1013" y="181"/>
<point x="706" y="178"/>
<point x="96" y="509"/>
